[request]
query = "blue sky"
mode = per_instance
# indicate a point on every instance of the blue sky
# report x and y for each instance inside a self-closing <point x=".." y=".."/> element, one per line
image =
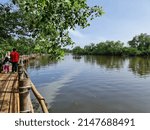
<point x="123" y="19"/>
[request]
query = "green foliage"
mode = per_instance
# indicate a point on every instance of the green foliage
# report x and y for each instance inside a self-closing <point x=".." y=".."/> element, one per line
<point x="115" y="48"/>
<point x="45" y="23"/>
<point x="89" y="49"/>
<point x="5" y="22"/>
<point x="109" y="48"/>
<point x="13" y="32"/>
<point x="48" y="21"/>
<point x="103" y="48"/>
<point x="78" y="50"/>
<point x="131" y="51"/>
<point x="141" y="42"/>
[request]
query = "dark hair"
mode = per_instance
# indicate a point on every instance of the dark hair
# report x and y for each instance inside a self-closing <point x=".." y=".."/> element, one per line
<point x="5" y="60"/>
<point x="14" y="49"/>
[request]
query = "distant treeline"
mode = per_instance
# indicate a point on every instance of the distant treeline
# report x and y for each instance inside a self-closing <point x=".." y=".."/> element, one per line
<point x="138" y="46"/>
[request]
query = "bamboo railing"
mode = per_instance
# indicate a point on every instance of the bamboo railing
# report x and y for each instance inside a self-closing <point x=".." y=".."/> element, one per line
<point x="25" y="85"/>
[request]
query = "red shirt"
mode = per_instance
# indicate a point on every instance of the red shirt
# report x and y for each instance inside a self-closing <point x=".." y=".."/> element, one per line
<point x="14" y="56"/>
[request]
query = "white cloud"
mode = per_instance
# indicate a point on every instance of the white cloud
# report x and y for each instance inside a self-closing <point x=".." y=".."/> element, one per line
<point x="122" y="21"/>
<point x="82" y="38"/>
<point x="76" y="33"/>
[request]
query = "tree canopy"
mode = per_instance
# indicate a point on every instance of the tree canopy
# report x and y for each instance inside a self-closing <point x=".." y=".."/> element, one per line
<point x="141" y="42"/>
<point x="46" y="22"/>
<point x="138" y="46"/>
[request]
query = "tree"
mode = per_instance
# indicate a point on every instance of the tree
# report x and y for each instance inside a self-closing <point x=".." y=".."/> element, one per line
<point x="141" y="42"/>
<point x="46" y="22"/>
<point x="49" y="20"/>
<point x="14" y="32"/>
<point x="88" y="49"/>
<point x="109" y="48"/>
<point x="78" y="50"/>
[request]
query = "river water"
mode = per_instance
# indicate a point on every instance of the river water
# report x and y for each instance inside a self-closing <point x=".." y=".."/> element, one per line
<point x="93" y="84"/>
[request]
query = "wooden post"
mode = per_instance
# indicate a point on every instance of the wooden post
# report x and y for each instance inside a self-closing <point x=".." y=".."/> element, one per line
<point x="24" y="87"/>
<point x="20" y="72"/>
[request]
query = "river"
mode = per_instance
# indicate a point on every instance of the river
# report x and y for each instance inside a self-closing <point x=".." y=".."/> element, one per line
<point x="93" y="84"/>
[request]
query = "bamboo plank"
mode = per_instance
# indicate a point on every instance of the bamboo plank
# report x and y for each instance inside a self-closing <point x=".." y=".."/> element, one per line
<point x="3" y="83"/>
<point x="9" y="95"/>
<point x="3" y="87"/>
<point x="13" y="101"/>
<point x="5" y="102"/>
<point x="17" y="102"/>
<point x="15" y="96"/>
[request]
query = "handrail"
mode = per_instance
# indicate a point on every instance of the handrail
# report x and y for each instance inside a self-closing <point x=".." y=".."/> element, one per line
<point x="39" y="97"/>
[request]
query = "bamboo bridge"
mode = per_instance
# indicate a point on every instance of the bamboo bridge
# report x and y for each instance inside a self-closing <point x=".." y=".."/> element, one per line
<point x="15" y="92"/>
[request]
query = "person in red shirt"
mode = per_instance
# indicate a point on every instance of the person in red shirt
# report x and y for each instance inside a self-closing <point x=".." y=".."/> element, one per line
<point x="14" y="56"/>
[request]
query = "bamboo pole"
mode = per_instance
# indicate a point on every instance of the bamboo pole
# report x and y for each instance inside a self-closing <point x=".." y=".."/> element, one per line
<point x="20" y="72"/>
<point x="40" y="98"/>
<point x="25" y="83"/>
<point x="24" y="87"/>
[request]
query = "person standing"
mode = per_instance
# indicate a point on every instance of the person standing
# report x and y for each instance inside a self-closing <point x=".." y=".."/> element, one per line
<point x="6" y="64"/>
<point x="14" y="56"/>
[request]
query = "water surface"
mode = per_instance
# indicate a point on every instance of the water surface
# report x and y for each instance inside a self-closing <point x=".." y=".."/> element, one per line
<point x="93" y="83"/>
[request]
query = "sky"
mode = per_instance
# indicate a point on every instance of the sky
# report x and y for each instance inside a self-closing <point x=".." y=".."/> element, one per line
<point x="123" y="19"/>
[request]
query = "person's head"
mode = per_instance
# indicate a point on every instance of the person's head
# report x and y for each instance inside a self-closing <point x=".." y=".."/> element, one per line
<point x="14" y="49"/>
<point x="6" y="58"/>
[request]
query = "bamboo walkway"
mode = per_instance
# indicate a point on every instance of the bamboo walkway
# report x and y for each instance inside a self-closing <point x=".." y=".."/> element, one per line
<point x="15" y="92"/>
<point x="9" y="93"/>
